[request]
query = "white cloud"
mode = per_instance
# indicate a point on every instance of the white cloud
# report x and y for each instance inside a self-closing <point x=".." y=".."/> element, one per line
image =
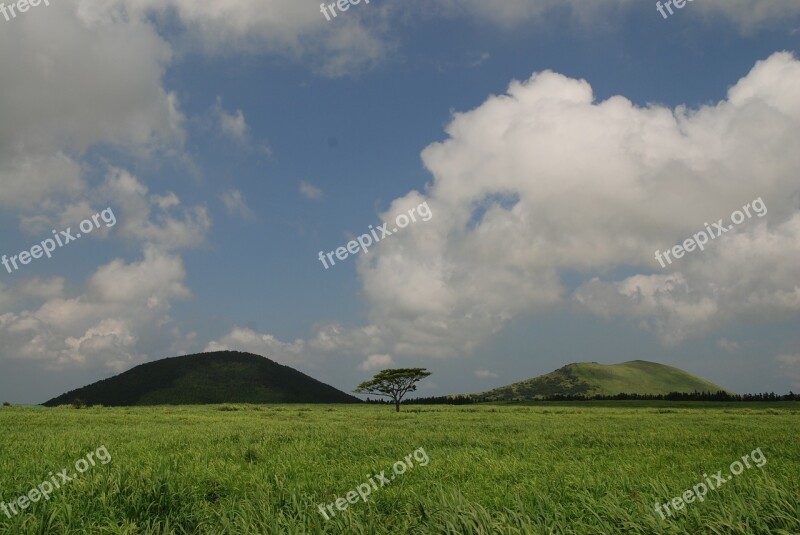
<point x="31" y="179"/>
<point x="266" y="345"/>
<point x="290" y="29"/>
<point x="749" y="15"/>
<point x="367" y="37"/>
<point x="545" y="179"/>
<point x="236" y="205"/>
<point x="311" y="192"/>
<point x="110" y="340"/>
<point x="751" y="275"/>
<point x="34" y="289"/>
<point x="484" y="374"/>
<point x="153" y="282"/>
<point x="154" y="219"/>
<point x="376" y="362"/>
<point x="70" y="86"/>
<point x="231" y="125"/>
<point x="483" y="58"/>
<point x="234" y="126"/>
<point x="101" y="328"/>
<point x="39" y="288"/>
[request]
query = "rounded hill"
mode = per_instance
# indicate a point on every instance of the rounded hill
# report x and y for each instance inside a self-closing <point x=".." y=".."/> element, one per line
<point x="207" y="378"/>
<point x="593" y="379"/>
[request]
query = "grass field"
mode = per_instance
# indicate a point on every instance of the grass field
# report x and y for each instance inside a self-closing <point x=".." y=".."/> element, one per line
<point x="582" y="468"/>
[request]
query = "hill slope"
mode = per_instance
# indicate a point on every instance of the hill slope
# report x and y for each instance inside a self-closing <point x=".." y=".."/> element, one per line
<point x="217" y="377"/>
<point x="590" y="378"/>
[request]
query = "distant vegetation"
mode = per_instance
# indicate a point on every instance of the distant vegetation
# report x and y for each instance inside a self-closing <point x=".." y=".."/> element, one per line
<point x="205" y="378"/>
<point x="720" y="396"/>
<point x="589" y="380"/>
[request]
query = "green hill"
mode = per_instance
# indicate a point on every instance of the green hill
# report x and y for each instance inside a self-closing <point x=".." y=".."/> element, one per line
<point x="205" y="378"/>
<point x="590" y="379"/>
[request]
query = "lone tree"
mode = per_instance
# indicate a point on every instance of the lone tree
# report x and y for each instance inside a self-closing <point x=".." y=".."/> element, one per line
<point x="393" y="383"/>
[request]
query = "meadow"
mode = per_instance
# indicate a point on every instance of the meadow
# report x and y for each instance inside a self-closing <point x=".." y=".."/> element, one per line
<point x="555" y="468"/>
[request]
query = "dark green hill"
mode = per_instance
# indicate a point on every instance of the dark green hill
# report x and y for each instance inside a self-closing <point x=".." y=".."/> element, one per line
<point x="205" y="378"/>
<point x="590" y="379"/>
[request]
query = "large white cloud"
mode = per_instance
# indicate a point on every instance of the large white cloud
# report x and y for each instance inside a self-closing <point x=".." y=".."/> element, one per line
<point x="68" y="86"/>
<point x="544" y="180"/>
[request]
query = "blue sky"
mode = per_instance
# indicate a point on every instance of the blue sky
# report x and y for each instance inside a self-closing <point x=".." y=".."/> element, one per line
<point x="557" y="144"/>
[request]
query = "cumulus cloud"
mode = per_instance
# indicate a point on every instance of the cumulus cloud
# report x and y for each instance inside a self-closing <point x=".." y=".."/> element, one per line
<point x="750" y="275"/>
<point x="366" y="37"/>
<point x="90" y="73"/>
<point x="310" y="191"/>
<point x="544" y="180"/>
<point x="110" y="340"/>
<point x="154" y="219"/>
<point x="233" y="126"/>
<point x="266" y="345"/>
<point x="101" y="328"/>
<point x="376" y="362"/>
<point x="153" y="282"/>
<point x="484" y="374"/>
<point x="749" y="15"/>
<point x="236" y="205"/>
<point x="289" y="29"/>
<point x="68" y="86"/>
<point x="30" y="290"/>
<point x="40" y="288"/>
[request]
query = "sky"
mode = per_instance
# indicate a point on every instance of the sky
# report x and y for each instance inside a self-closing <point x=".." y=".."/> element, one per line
<point x="539" y="154"/>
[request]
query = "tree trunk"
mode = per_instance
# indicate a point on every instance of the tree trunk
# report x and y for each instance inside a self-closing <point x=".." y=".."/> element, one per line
<point x="397" y="405"/>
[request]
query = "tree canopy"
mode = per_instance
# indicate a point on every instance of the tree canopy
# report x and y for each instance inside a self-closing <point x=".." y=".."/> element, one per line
<point x="393" y="383"/>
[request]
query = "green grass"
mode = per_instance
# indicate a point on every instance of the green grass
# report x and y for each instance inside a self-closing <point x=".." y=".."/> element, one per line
<point x="580" y="468"/>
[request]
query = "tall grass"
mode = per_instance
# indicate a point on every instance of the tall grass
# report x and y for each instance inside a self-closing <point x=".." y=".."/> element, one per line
<point x="548" y="468"/>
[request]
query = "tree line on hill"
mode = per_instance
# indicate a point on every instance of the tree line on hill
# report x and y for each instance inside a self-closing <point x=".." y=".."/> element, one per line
<point x="672" y="396"/>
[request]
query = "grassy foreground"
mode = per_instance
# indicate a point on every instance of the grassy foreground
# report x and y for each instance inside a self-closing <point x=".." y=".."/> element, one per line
<point x="578" y="468"/>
